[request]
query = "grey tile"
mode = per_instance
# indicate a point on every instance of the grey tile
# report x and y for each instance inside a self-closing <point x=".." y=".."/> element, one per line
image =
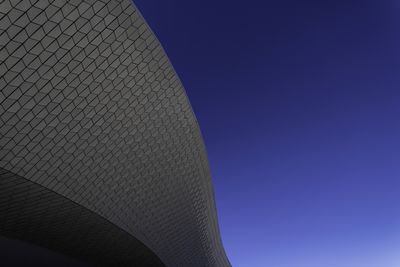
<point x="94" y="118"/>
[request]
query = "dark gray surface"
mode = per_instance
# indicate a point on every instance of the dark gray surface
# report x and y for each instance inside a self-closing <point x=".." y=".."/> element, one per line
<point x="91" y="109"/>
<point x="33" y="213"/>
<point x="15" y="252"/>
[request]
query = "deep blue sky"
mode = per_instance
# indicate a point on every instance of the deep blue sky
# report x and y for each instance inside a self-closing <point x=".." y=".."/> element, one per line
<point x="299" y="106"/>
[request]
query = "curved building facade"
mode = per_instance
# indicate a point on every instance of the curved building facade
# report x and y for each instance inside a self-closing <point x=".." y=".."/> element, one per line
<point x="101" y="157"/>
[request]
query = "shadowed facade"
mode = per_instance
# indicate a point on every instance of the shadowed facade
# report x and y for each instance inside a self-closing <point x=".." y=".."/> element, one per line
<point x="101" y="156"/>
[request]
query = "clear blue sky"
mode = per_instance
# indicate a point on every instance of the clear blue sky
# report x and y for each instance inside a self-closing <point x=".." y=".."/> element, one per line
<point x="299" y="106"/>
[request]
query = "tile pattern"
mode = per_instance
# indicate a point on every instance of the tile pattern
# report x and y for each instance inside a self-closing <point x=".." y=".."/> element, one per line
<point x="34" y="213"/>
<point x="91" y="109"/>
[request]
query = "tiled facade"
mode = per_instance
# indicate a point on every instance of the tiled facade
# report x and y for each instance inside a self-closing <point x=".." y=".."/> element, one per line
<point x="91" y="111"/>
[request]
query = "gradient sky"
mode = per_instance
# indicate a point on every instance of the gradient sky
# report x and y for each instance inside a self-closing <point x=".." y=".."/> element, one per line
<point x="299" y="106"/>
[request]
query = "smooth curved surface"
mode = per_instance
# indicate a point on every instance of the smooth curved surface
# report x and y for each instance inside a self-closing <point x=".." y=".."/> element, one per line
<point x="14" y="252"/>
<point x="92" y="111"/>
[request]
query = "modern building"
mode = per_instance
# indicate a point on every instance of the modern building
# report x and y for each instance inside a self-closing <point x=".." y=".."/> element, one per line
<point x="101" y="157"/>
